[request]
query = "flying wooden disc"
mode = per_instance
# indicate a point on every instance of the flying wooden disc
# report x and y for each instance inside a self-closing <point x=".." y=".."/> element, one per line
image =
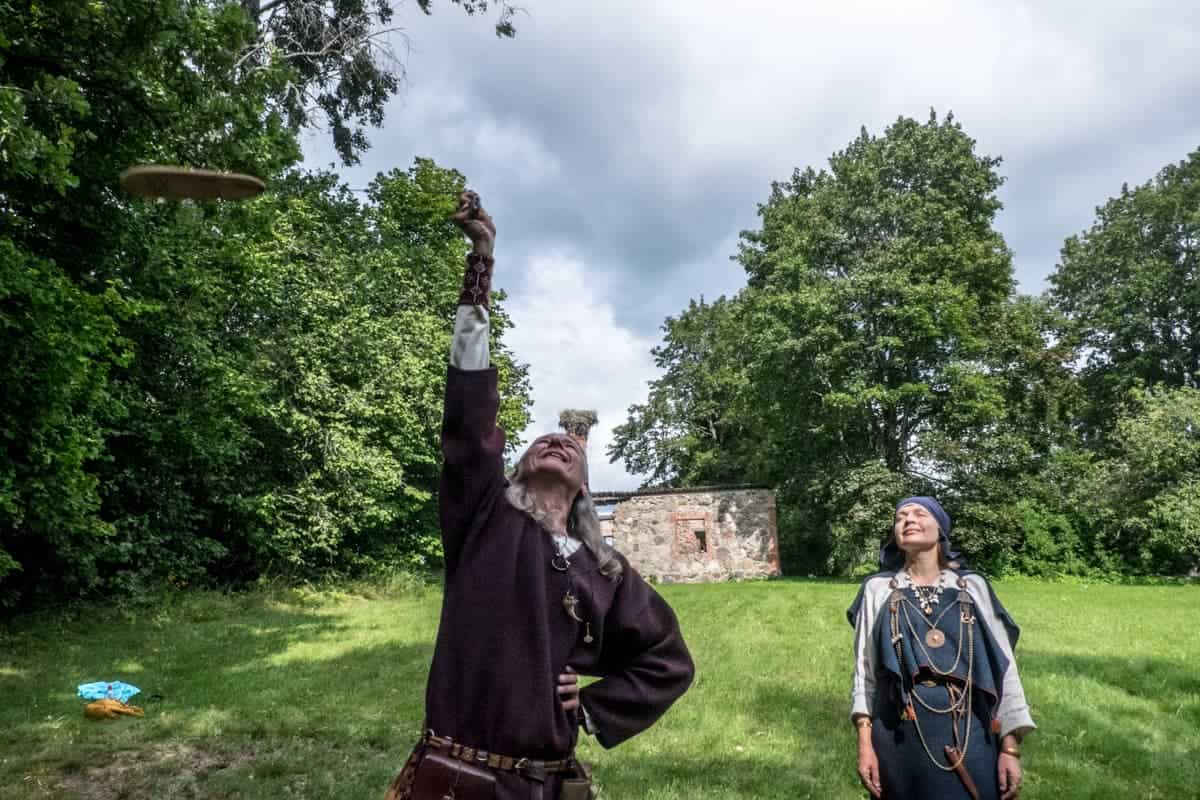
<point x="185" y="183"/>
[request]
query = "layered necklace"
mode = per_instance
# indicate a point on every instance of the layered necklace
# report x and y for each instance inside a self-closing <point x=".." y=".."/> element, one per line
<point x="928" y="596"/>
<point x="903" y="612"/>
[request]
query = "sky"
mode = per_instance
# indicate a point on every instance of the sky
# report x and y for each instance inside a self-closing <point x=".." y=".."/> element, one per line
<point x="621" y="146"/>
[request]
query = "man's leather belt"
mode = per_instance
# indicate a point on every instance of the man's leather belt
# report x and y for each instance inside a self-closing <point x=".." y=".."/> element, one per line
<point x="530" y="768"/>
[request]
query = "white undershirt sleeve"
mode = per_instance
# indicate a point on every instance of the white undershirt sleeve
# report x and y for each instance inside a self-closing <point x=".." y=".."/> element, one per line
<point x="469" y="349"/>
<point x="862" y="691"/>
<point x="1014" y="709"/>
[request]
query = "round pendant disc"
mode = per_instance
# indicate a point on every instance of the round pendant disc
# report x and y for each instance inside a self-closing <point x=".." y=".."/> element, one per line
<point x="935" y="638"/>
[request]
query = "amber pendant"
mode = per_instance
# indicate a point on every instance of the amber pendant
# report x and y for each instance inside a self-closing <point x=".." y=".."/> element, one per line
<point x="570" y="602"/>
<point x="935" y="638"/>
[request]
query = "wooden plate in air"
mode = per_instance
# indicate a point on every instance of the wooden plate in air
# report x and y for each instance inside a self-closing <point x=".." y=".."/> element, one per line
<point x="185" y="183"/>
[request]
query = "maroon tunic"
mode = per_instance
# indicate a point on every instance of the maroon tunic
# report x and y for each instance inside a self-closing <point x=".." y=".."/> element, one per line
<point x="504" y="636"/>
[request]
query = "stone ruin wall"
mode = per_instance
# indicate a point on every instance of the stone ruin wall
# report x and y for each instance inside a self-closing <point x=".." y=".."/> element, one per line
<point x="695" y="536"/>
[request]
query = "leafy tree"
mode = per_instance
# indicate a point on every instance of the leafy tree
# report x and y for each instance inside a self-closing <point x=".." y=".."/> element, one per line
<point x="690" y="431"/>
<point x="873" y="287"/>
<point x="107" y="85"/>
<point x="287" y="414"/>
<point x="58" y="345"/>
<point x="341" y="56"/>
<point x="145" y="441"/>
<point x="1129" y="286"/>
<point x="86" y="90"/>
<point x="997" y="466"/>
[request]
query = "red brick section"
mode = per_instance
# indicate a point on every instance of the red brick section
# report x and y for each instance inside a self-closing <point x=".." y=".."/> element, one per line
<point x="685" y="543"/>
<point x="773" y="526"/>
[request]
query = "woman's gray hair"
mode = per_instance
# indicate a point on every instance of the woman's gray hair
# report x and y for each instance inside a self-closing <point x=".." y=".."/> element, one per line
<point x="583" y="522"/>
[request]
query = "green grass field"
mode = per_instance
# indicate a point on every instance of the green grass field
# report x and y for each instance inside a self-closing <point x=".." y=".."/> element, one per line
<point x="318" y="695"/>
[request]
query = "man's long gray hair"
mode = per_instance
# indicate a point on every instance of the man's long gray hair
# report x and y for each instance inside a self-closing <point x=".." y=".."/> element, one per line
<point x="583" y="522"/>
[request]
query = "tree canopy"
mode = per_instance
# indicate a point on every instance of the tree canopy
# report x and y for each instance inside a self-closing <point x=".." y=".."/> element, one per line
<point x="1130" y="289"/>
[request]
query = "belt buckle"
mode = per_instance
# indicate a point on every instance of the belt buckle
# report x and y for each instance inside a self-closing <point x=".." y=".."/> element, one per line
<point x="533" y="770"/>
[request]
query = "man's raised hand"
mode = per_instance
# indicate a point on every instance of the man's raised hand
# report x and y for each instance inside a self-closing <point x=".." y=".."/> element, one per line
<point x="475" y="223"/>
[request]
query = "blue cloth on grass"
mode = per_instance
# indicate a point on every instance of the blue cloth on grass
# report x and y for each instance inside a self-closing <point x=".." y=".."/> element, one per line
<point x="117" y="690"/>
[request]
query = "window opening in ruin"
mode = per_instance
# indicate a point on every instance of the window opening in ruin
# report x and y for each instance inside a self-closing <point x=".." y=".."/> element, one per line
<point x="691" y="535"/>
<point x="606" y="510"/>
<point x="608" y="540"/>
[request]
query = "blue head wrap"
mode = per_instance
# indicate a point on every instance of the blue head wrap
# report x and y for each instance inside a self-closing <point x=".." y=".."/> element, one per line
<point x="891" y="557"/>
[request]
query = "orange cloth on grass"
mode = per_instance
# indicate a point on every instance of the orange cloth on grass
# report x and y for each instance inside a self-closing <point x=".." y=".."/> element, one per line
<point x="110" y="709"/>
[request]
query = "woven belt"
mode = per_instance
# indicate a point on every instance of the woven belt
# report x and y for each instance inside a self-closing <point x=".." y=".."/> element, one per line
<point x="530" y="768"/>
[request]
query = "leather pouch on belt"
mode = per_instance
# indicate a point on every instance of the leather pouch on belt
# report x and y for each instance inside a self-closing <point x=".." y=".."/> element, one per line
<point x="578" y="786"/>
<point x="576" y="789"/>
<point x="440" y="776"/>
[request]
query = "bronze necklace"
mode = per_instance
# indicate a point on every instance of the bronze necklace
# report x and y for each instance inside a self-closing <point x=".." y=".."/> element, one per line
<point x="928" y="597"/>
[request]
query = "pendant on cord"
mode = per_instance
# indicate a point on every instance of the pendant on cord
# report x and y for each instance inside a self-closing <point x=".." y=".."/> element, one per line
<point x="569" y="602"/>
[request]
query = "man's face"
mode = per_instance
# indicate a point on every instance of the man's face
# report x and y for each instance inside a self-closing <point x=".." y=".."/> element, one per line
<point x="556" y="456"/>
<point x="915" y="528"/>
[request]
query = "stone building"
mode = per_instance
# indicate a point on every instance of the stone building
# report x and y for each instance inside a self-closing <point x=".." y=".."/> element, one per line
<point x="706" y="533"/>
<point x="693" y="535"/>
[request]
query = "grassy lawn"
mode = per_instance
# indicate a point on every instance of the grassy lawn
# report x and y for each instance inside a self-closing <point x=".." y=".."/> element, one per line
<point x="318" y="695"/>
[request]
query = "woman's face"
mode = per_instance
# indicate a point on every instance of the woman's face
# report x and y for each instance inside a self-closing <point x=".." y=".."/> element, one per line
<point x="556" y="457"/>
<point x="915" y="528"/>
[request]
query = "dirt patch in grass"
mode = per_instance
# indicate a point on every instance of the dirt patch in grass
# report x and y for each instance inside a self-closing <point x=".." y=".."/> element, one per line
<point x="159" y="771"/>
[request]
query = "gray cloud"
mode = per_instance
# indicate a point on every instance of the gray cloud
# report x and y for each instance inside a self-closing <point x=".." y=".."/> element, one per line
<point x="634" y="140"/>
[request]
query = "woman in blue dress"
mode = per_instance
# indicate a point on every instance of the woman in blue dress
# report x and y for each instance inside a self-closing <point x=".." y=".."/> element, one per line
<point x="937" y="700"/>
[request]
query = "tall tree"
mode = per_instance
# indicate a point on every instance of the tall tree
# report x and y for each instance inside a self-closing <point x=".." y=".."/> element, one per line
<point x="873" y="286"/>
<point x="1130" y="286"/>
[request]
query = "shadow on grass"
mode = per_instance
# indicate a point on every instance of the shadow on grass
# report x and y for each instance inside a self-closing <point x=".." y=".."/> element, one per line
<point x="1113" y="726"/>
<point x="253" y="694"/>
<point x="799" y="747"/>
<point x="1108" y="727"/>
<point x="1155" y="679"/>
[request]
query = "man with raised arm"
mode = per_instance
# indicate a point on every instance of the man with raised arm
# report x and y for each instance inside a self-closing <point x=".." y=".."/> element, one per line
<point x="533" y="597"/>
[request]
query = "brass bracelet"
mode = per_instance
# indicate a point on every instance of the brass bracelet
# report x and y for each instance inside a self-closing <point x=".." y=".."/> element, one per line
<point x="1011" y="751"/>
<point x="863" y="722"/>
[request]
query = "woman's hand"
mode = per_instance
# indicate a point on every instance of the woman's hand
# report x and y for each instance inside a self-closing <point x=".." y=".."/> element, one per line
<point x="868" y="766"/>
<point x="568" y="690"/>
<point x="1009" y="768"/>
<point x="475" y="223"/>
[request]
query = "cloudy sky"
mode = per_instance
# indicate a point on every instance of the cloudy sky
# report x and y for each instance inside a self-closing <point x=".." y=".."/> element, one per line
<point x="622" y="145"/>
